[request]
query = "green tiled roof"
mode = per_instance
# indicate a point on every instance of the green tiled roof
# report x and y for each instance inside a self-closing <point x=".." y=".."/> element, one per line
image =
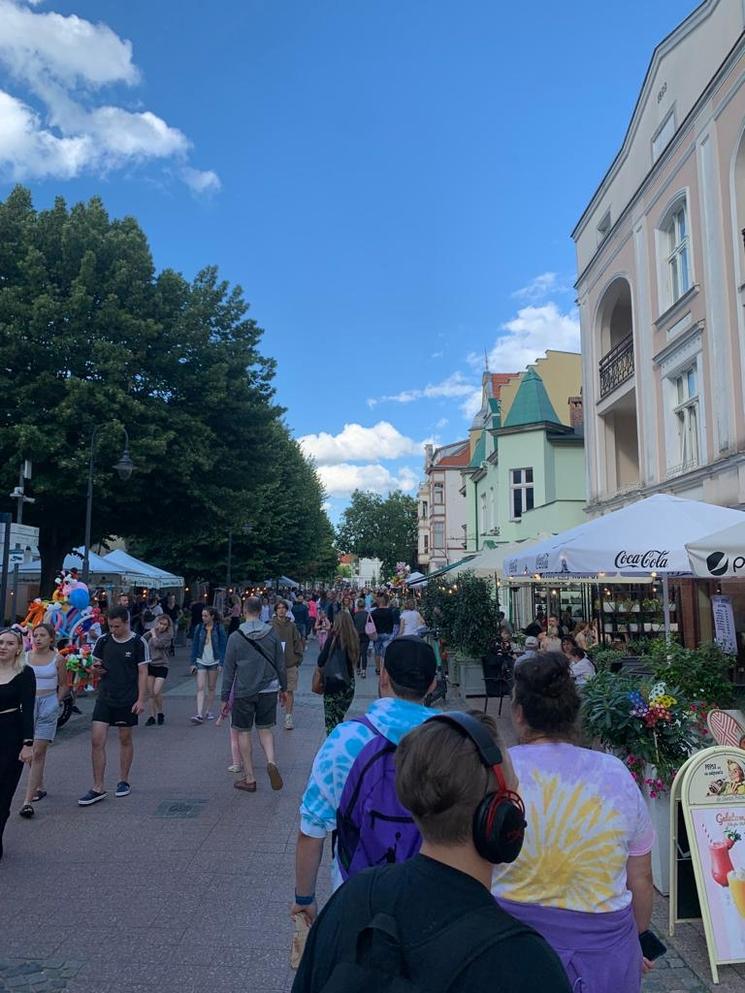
<point x="531" y="404"/>
<point x="479" y="452"/>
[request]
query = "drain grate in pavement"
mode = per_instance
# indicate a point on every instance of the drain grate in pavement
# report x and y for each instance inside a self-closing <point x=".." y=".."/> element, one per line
<point x="180" y="808"/>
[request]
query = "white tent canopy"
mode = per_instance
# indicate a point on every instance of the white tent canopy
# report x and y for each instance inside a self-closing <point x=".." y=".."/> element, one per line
<point x="141" y="573"/>
<point x="283" y="581"/>
<point x="100" y="568"/>
<point x="491" y="560"/>
<point x="720" y="555"/>
<point x="646" y="537"/>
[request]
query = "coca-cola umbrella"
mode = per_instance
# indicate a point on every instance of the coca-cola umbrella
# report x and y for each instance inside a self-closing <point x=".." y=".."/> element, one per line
<point x="643" y="539"/>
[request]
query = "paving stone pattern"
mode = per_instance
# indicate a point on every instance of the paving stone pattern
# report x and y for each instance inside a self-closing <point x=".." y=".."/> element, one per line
<point x="184" y="886"/>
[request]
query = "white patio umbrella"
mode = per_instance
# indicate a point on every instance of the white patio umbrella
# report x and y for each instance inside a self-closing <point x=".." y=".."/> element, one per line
<point x="644" y="539"/>
<point x="720" y="555"/>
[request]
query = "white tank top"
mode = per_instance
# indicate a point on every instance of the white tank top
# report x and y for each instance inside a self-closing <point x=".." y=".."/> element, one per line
<point x="46" y="675"/>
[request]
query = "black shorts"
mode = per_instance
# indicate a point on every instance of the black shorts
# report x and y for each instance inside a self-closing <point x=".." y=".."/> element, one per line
<point x="159" y="671"/>
<point x="120" y="717"/>
<point x="262" y="707"/>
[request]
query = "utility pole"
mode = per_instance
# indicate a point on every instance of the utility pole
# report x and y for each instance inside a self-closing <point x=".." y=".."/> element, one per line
<point x="5" y="520"/>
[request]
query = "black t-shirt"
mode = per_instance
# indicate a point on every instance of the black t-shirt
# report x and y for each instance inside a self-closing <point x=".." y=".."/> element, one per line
<point x="121" y="660"/>
<point x="384" y="620"/>
<point x="427" y="897"/>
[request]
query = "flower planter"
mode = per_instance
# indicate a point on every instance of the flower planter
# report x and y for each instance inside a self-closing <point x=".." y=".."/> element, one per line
<point x="471" y="678"/>
<point x="659" y="812"/>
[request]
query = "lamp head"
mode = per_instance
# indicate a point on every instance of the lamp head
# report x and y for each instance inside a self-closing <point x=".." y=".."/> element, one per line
<point x="125" y="466"/>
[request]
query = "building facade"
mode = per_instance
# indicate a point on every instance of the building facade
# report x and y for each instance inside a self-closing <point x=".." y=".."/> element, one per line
<point x="661" y="279"/>
<point x="525" y="475"/>
<point x="442" y="506"/>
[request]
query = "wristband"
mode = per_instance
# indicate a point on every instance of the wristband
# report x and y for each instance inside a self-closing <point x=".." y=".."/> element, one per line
<point x="305" y="901"/>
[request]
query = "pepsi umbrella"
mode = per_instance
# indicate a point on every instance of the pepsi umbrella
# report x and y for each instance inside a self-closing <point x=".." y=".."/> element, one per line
<point x="720" y="555"/>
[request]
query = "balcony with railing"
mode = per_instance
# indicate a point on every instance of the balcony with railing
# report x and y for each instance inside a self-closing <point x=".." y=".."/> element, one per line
<point x="617" y="366"/>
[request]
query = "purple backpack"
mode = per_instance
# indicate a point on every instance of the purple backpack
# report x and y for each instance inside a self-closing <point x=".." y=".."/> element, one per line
<point x="372" y="828"/>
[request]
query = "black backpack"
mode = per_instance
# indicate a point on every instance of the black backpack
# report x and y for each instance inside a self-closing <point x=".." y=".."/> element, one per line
<point x="381" y="964"/>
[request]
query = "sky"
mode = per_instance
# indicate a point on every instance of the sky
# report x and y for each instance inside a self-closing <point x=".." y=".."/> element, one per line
<point x="392" y="182"/>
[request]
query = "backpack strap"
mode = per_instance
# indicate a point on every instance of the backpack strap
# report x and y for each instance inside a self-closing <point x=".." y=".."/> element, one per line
<point x="258" y="648"/>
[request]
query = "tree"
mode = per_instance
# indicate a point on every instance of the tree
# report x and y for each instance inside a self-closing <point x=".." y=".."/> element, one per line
<point x="386" y="529"/>
<point x="91" y="336"/>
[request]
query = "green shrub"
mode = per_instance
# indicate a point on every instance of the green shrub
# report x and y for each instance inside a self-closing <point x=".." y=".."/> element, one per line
<point x="701" y="673"/>
<point x="466" y="611"/>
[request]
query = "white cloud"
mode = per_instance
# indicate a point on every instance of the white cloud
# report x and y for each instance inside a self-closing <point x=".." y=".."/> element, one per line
<point x="442" y="423"/>
<point x="63" y="61"/>
<point x="542" y="286"/>
<point x="355" y="443"/>
<point x="454" y="386"/>
<point x="67" y="49"/>
<point x="343" y="478"/>
<point x="472" y="404"/>
<point x="528" y="335"/>
<point x="437" y="355"/>
<point x="201" y="181"/>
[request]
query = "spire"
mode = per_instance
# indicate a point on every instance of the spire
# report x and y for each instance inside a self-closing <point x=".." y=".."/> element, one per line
<point x="531" y="404"/>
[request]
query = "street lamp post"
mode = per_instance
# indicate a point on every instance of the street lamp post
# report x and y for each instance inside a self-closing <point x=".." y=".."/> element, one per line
<point x="246" y="529"/>
<point x="124" y="467"/>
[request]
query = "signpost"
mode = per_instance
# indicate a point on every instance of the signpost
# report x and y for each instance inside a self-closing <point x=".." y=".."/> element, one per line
<point x="710" y="791"/>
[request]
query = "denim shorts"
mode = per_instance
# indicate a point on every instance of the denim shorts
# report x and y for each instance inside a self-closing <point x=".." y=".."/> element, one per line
<point x="200" y="665"/>
<point x="46" y="712"/>
<point x="381" y="643"/>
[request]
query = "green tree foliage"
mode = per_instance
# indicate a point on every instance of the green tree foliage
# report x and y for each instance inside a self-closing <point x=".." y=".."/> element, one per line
<point x="465" y="610"/>
<point x="386" y="529"/>
<point x="91" y="336"/>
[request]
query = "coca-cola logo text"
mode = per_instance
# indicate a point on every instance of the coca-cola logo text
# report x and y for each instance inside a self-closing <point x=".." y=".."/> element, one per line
<point x="653" y="558"/>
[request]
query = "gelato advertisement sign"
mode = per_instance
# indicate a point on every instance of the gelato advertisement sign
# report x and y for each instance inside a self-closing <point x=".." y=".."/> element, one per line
<point x="712" y="793"/>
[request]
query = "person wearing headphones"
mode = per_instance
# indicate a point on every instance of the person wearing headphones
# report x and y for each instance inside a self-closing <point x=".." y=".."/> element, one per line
<point x="430" y="922"/>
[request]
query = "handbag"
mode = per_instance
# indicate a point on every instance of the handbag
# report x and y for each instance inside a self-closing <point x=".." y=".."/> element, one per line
<point x="336" y="677"/>
<point x="370" y="630"/>
<point x="316" y="683"/>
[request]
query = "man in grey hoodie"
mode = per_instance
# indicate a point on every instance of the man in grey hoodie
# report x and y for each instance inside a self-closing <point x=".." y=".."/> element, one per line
<point x="254" y="675"/>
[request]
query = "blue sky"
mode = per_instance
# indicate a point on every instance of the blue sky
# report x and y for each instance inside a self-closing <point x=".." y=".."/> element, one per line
<point x="393" y="182"/>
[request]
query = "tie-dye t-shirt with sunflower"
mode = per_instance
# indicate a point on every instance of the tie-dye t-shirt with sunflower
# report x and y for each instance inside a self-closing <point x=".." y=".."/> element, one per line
<point x="586" y="816"/>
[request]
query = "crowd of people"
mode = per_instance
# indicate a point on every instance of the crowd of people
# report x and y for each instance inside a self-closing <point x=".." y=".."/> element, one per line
<point x="534" y="861"/>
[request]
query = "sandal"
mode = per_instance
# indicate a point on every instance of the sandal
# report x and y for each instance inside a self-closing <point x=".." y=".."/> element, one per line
<point x="27" y="811"/>
<point x="242" y="784"/>
<point x="39" y="795"/>
<point x="275" y="777"/>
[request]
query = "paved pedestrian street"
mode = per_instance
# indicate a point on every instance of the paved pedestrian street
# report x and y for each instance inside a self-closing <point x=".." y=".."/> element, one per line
<point x="185" y="884"/>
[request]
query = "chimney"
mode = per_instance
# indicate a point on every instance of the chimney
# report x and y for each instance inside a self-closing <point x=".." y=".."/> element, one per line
<point x="576" y="414"/>
<point x="428" y="452"/>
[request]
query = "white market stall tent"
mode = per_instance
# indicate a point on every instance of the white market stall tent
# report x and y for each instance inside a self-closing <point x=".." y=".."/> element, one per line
<point x="102" y="571"/>
<point x="720" y="555"/>
<point x="644" y="539"/>
<point x="140" y="573"/>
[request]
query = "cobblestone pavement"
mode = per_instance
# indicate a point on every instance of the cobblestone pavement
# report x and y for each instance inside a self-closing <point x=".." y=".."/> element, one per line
<point x="184" y="886"/>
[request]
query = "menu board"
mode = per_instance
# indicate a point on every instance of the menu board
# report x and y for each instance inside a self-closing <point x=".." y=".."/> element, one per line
<point x="713" y="798"/>
<point x="725" y="634"/>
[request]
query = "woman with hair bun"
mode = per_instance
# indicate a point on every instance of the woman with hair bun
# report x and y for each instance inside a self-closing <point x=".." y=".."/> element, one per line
<point x="584" y="876"/>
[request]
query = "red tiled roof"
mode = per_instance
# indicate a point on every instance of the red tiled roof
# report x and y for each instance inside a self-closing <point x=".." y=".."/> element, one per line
<point x="500" y="379"/>
<point x="457" y="459"/>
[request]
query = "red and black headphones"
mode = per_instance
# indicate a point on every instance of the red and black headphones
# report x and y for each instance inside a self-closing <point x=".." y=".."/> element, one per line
<point x="499" y="820"/>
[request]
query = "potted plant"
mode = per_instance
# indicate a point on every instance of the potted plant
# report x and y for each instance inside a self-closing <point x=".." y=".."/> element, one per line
<point x="466" y="612"/>
<point x="653" y="728"/>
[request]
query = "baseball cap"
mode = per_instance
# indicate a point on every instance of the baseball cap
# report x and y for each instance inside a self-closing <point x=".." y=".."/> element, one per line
<point x="410" y="662"/>
<point x="531" y="642"/>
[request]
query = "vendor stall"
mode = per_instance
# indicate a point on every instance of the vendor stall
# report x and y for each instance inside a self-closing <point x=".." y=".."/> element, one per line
<point x="141" y="573"/>
<point x="643" y="542"/>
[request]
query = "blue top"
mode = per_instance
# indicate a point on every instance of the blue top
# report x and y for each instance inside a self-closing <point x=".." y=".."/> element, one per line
<point x="393" y="718"/>
<point x="219" y="642"/>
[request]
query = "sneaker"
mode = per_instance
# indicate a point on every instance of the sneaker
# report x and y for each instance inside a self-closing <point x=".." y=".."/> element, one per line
<point x="235" y="768"/>
<point x="289" y="722"/>
<point x="209" y="716"/>
<point x="161" y="719"/>
<point x="197" y="719"/>
<point x="122" y="789"/>
<point x="27" y="811"/>
<point x="150" y="722"/>
<point x="92" y="796"/>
